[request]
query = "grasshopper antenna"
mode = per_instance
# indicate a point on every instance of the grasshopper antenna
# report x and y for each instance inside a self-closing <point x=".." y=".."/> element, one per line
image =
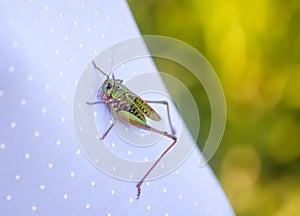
<point x="99" y="69"/>
<point x="111" y="65"/>
<point x="112" y="62"/>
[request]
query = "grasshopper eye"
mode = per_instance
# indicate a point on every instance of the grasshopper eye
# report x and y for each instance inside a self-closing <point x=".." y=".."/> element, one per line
<point x="108" y="86"/>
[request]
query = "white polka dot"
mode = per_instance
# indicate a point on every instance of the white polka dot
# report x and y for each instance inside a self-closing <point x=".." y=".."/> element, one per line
<point x="58" y="143"/>
<point x="23" y="102"/>
<point x="112" y="192"/>
<point x="44" y="110"/>
<point x="114" y="168"/>
<point x="66" y="38"/>
<point x="30" y="78"/>
<point x="72" y="174"/>
<point x="129" y="152"/>
<point x="47" y="87"/>
<point x="8" y="197"/>
<point x="165" y="190"/>
<point x="13" y="124"/>
<point x="195" y="203"/>
<point x="75" y="23"/>
<point x="17" y="177"/>
<point x="87" y="206"/>
<point x="46" y="8"/>
<point x="148" y="208"/>
<point x="81" y="45"/>
<point x="108" y="18"/>
<point x="34" y="208"/>
<point x="89" y="29"/>
<point x="11" y="69"/>
<point x="66" y="196"/>
<point x="180" y="197"/>
<point x="36" y="133"/>
<point x="63" y="96"/>
<point x="146" y="159"/>
<point x="15" y="44"/>
<point x="102" y="35"/>
<point x="82" y="6"/>
<point x="93" y="184"/>
<point x="27" y="156"/>
<point x="51" y="29"/>
<point x="63" y="119"/>
<point x="166" y="214"/>
<point x="50" y="165"/>
<point x="130" y="200"/>
<point x="177" y="172"/>
<point x="148" y="183"/>
<point x="95" y="114"/>
<point x="96" y="13"/>
<point x="60" y="16"/>
<point x="2" y="146"/>
<point x="1" y="93"/>
<point x="113" y="145"/>
<point x="42" y="187"/>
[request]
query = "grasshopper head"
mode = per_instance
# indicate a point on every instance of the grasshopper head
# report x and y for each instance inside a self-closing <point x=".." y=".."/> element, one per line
<point x="107" y="89"/>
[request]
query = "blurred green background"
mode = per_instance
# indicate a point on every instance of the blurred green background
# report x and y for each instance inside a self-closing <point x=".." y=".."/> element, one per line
<point x="254" y="47"/>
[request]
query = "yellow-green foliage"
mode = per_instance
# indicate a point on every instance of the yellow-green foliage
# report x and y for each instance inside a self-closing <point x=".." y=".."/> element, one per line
<point x="254" y="46"/>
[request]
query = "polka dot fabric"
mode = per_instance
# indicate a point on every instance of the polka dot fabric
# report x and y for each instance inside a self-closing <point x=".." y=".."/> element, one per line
<point x="45" y="46"/>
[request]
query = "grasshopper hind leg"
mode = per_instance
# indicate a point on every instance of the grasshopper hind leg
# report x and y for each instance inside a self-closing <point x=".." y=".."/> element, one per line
<point x="173" y="131"/>
<point x="174" y="138"/>
<point x="133" y="120"/>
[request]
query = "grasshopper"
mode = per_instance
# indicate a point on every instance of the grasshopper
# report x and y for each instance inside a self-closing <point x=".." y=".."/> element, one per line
<point x="129" y="108"/>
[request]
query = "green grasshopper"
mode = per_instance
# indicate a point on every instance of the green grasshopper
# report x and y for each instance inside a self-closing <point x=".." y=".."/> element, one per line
<point x="127" y="107"/>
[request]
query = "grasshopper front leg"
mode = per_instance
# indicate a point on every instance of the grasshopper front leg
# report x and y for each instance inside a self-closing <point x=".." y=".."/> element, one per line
<point x="133" y="120"/>
<point x="110" y="127"/>
<point x="114" y="115"/>
<point x="93" y="103"/>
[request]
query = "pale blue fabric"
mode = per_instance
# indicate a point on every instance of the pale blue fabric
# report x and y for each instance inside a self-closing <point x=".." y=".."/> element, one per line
<point x="45" y="46"/>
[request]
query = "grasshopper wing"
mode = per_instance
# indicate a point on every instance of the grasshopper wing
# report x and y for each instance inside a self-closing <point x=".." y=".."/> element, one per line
<point x="144" y="107"/>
